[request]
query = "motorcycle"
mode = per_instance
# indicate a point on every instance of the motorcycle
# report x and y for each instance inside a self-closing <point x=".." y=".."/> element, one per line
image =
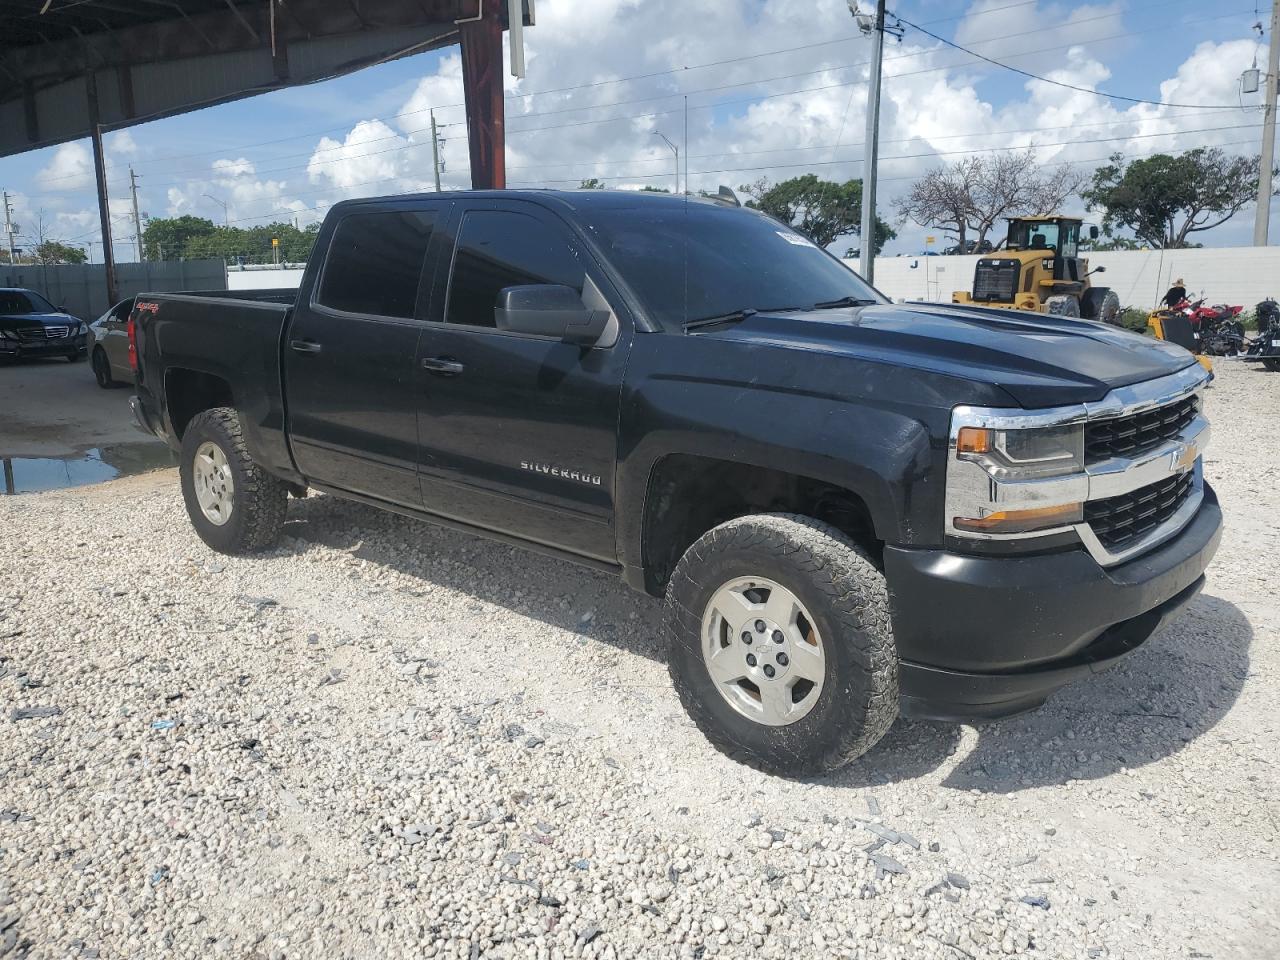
<point x="1266" y="345"/>
<point x="1217" y="331"/>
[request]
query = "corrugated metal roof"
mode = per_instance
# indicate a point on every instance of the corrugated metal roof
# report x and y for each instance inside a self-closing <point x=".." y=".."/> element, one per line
<point x="155" y="58"/>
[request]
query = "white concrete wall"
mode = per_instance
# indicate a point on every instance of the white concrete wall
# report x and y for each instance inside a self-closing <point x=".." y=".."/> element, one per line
<point x="1236" y="275"/>
<point x="264" y="279"/>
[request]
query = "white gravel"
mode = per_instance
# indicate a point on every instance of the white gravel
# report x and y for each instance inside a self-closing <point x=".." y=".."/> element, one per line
<point x="389" y="740"/>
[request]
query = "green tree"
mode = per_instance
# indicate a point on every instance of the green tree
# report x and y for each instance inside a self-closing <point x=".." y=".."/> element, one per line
<point x="594" y="183"/>
<point x="193" y="238"/>
<point x="648" y="188"/>
<point x="822" y="210"/>
<point x="1163" y="199"/>
<point x="51" y="251"/>
<point x="170" y="238"/>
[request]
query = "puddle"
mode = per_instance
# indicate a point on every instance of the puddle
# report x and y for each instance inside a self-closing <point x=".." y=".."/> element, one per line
<point x="32" y="474"/>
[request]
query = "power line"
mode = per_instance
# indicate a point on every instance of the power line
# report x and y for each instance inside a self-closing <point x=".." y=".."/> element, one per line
<point x="664" y="96"/>
<point x="1059" y="83"/>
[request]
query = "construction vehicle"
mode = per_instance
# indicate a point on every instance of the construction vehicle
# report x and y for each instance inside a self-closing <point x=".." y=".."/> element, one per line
<point x="1039" y="267"/>
<point x="1175" y="326"/>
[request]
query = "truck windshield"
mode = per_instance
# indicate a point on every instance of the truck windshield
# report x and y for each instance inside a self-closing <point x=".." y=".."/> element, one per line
<point x="693" y="260"/>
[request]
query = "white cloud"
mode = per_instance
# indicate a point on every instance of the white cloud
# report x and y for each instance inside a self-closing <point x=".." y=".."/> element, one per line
<point x="121" y="143"/>
<point x="71" y="168"/>
<point x="742" y="125"/>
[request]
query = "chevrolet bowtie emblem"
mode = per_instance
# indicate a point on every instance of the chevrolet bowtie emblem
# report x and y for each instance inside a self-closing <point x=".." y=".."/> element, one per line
<point x="1184" y="458"/>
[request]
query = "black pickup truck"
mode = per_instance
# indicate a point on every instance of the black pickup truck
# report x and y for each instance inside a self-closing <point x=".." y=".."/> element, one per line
<point x="853" y="508"/>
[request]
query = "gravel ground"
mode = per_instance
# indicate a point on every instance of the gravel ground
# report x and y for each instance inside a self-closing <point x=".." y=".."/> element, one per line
<point x="387" y="740"/>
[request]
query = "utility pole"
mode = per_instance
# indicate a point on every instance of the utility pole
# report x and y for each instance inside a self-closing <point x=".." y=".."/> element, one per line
<point x="1262" y="218"/>
<point x="8" y="229"/>
<point x="435" y="150"/>
<point x="871" y="143"/>
<point x="137" y="221"/>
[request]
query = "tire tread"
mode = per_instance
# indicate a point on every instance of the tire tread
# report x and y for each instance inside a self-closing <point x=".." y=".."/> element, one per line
<point x="858" y="597"/>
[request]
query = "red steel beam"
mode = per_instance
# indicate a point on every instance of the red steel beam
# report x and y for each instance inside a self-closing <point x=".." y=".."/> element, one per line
<point x="482" y="91"/>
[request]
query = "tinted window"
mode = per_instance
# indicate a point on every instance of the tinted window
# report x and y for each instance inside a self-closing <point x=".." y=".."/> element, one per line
<point x="498" y="249"/>
<point x="24" y="301"/>
<point x="694" y="260"/>
<point x="375" y="262"/>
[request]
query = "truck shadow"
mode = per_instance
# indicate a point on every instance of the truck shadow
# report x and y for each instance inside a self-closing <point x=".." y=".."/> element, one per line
<point x="1148" y="707"/>
<point x="1166" y="694"/>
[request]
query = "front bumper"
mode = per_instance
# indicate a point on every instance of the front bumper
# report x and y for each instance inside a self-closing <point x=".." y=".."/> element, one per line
<point x="60" y="347"/>
<point x="986" y="637"/>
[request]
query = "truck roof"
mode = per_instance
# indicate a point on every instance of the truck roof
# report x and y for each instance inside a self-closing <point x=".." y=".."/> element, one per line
<point x="572" y="199"/>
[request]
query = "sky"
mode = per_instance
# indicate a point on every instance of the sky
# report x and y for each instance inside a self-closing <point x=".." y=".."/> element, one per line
<point x="774" y="88"/>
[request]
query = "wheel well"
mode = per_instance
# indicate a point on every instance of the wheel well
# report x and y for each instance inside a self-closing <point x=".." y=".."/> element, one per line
<point x="187" y="392"/>
<point x="688" y="495"/>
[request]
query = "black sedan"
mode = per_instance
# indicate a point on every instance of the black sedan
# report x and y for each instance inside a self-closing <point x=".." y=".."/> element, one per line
<point x="30" y="326"/>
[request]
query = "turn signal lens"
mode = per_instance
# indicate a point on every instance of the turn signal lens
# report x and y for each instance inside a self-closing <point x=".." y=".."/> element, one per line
<point x="974" y="440"/>
<point x="1022" y="521"/>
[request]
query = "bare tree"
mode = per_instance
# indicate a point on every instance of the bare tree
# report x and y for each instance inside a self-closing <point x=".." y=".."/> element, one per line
<point x="942" y="198"/>
<point x="973" y="194"/>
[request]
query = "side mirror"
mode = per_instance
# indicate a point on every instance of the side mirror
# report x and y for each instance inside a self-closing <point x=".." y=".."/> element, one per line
<point x="61" y="308"/>
<point x="1093" y="231"/>
<point x="549" y="310"/>
<point x="1099" y="269"/>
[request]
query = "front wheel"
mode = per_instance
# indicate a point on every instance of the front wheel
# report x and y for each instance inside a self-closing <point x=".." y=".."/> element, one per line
<point x="235" y="505"/>
<point x="1272" y="364"/>
<point x="782" y="649"/>
<point x="1063" y="305"/>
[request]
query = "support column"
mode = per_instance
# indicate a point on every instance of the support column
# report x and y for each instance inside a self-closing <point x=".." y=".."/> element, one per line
<point x="482" y="90"/>
<point x="100" y="174"/>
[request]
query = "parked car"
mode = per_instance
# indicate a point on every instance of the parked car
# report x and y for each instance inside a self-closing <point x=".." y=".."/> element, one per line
<point x="30" y="326"/>
<point x="109" y="347"/>
<point x="853" y="508"/>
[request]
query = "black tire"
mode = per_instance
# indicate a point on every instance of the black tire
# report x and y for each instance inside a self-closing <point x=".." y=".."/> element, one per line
<point x="77" y="356"/>
<point x="1101" y="304"/>
<point x="1063" y="305"/>
<point x="257" y="498"/>
<point x="102" y="369"/>
<point x="849" y="603"/>
<point x="1272" y="364"/>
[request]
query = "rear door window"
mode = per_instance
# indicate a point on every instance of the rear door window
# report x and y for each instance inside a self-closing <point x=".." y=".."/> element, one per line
<point x="374" y="264"/>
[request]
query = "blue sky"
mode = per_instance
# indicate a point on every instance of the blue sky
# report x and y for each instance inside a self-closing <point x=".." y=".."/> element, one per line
<point x="363" y="134"/>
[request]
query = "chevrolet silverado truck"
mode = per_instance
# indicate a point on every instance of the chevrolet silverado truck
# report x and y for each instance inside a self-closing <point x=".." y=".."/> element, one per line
<point x="854" y="509"/>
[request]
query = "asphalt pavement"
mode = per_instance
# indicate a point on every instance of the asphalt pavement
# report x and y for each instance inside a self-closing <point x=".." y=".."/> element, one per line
<point x="52" y="408"/>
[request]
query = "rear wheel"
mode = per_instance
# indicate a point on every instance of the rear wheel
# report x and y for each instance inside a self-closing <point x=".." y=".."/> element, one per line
<point x="1272" y="364"/>
<point x="782" y="650"/>
<point x="235" y="505"/>
<point x="1063" y="306"/>
<point x="102" y="369"/>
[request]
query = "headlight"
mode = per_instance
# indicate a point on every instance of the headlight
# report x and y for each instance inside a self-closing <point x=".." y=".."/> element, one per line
<point x="1015" y="475"/>
<point x="1035" y="452"/>
<point x="81" y="329"/>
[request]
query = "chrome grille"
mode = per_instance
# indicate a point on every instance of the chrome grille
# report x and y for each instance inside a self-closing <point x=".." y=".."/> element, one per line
<point x="1119" y="521"/>
<point x="56" y="333"/>
<point x="1135" y="434"/>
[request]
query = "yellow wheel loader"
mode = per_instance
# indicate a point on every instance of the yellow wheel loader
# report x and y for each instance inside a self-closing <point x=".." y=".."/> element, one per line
<point x="1039" y="267"/>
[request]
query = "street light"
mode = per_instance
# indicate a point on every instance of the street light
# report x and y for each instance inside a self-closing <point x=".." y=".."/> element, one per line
<point x="676" y="151"/>
<point x="225" y="222"/>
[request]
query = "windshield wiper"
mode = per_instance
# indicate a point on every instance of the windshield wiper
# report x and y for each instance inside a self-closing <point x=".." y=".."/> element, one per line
<point x="737" y="316"/>
<point x="845" y="302"/>
<point x="733" y="316"/>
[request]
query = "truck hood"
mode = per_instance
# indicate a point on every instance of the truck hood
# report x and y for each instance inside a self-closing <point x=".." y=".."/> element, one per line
<point x="1038" y="359"/>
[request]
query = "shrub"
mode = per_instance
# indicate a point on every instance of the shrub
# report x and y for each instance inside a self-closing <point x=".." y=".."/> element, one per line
<point x="1131" y="318"/>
